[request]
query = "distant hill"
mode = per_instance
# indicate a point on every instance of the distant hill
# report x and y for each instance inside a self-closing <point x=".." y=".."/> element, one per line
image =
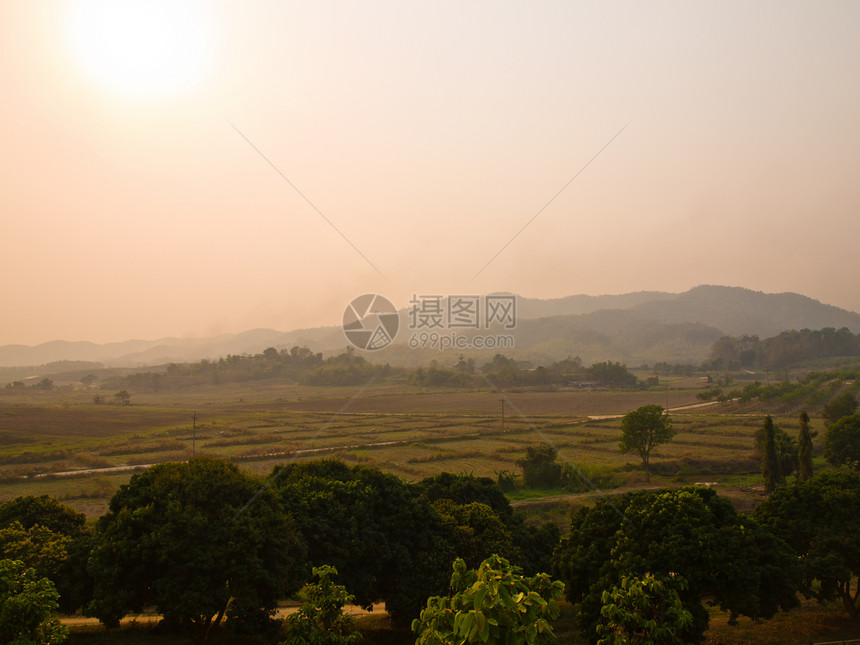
<point x="636" y="328"/>
<point x="738" y="311"/>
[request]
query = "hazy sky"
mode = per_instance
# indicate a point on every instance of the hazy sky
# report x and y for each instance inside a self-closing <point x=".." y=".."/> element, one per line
<point x="429" y="134"/>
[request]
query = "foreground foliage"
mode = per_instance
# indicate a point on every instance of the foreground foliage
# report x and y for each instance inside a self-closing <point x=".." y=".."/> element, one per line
<point x="493" y="605"/>
<point x="54" y="540"/>
<point x="321" y="620"/>
<point x="643" y="611"/>
<point x="28" y="606"/>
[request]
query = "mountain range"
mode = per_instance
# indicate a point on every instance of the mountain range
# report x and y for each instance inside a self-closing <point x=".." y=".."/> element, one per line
<point x="640" y="327"/>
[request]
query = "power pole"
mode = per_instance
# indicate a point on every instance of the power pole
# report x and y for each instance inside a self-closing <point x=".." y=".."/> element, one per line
<point x="503" y="415"/>
<point x="194" y="433"/>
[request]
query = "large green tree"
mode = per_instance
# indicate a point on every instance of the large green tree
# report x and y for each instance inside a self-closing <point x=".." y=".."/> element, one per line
<point x="386" y="542"/>
<point x="842" y="442"/>
<point x="690" y="532"/>
<point x="643" y="430"/>
<point x="820" y="519"/>
<point x="200" y="541"/>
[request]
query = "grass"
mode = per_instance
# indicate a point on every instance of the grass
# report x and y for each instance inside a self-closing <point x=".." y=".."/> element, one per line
<point x="410" y="432"/>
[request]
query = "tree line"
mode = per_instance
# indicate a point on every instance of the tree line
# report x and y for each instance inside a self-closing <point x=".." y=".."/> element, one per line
<point x="787" y="348"/>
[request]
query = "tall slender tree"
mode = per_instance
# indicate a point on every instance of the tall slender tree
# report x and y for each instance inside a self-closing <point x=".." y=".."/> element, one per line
<point x="804" y="448"/>
<point x="770" y="467"/>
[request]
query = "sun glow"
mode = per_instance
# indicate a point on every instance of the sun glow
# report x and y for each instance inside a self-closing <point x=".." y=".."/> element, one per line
<point x="141" y="48"/>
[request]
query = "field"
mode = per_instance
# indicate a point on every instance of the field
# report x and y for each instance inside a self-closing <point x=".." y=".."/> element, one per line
<point x="60" y="443"/>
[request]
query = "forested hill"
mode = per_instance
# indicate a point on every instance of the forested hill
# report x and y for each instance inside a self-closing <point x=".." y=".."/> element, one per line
<point x="642" y="327"/>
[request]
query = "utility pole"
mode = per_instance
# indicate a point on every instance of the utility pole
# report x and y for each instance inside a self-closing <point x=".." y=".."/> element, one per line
<point x="503" y="415"/>
<point x="194" y="433"/>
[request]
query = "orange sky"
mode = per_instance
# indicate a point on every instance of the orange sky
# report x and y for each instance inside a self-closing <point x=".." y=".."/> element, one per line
<point x="428" y="134"/>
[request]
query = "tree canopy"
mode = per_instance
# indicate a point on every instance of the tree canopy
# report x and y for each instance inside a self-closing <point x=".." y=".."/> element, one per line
<point x="386" y="543"/>
<point x="690" y="532"/>
<point x="820" y="519"/>
<point x="184" y="538"/>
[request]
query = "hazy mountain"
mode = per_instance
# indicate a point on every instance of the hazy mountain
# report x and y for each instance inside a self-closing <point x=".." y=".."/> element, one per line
<point x="738" y="311"/>
<point x="634" y="328"/>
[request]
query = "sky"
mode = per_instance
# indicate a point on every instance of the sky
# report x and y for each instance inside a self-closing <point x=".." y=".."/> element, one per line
<point x="194" y="168"/>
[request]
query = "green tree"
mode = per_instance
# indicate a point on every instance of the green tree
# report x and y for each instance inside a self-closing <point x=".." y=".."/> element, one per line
<point x="45" y="384"/>
<point x="53" y="539"/>
<point x="386" y="542"/>
<point x="785" y="447"/>
<point x="28" y="606"/>
<point x="842" y="405"/>
<point x="532" y="545"/>
<point x="643" y="611"/>
<point x="804" y="448"/>
<point x="321" y="619"/>
<point x="643" y="430"/>
<point x="540" y="468"/>
<point x="689" y="532"/>
<point x="476" y="532"/>
<point x="45" y="511"/>
<point x="492" y="605"/>
<point x="842" y="442"/>
<point x="820" y="519"/>
<point x="122" y="397"/>
<point x="771" y="469"/>
<point x="199" y="540"/>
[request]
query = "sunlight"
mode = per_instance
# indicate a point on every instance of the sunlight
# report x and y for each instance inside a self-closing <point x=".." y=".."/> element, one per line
<point x="141" y="48"/>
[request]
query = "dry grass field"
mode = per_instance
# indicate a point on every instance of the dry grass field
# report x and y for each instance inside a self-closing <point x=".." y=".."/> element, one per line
<point x="61" y="444"/>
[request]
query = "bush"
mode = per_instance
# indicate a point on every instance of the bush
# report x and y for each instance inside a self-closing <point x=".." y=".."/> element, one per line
<point x="321" y="620"/>
<point x="540" y="469"/>
<point x="27" y="607"/>
<point x="494" y="604"/>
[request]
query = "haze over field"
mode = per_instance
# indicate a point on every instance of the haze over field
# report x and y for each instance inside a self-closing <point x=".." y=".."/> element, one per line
<point x="139" y="199"/>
